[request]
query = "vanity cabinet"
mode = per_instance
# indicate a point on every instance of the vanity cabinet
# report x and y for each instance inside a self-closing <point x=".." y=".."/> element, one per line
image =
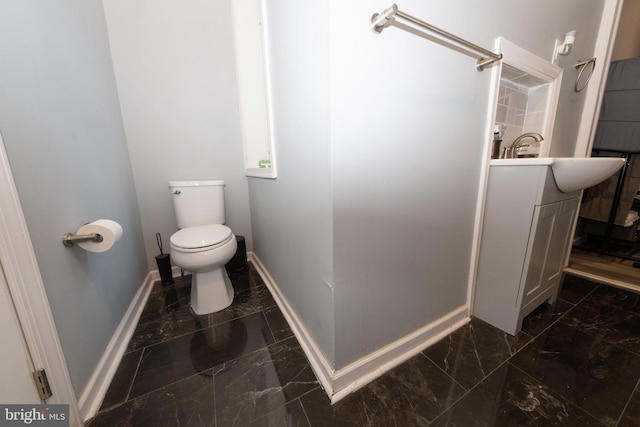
<point x="525" y="237"/>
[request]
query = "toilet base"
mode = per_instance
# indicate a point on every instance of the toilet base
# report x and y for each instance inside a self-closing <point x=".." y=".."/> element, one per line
<point x="211" y="291"/>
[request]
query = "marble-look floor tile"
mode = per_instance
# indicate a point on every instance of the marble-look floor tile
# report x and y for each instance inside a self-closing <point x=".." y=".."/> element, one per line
<point x="473" y="351"/>
<point x="544" y="316"/>
<point x="257" y="383"/>
<point x="244" y="367"/>
<point x="631" y="415"/>
<point x="155" y="302"/>
<point x="278" y="324"/>
<point x="164" y="297"/>
<point x="245" y="302"/>
<point x="592" y="373"/>
<point x="349" y="411"/>
<point x="412" y="394"/>
<point x="574" y="288"/>
<point x="611" y="313"/>
<point x="290" y="415"/>
<point x="186" y="355"/>
<point x="176" y="298"/>
<point x="188" y="402"/>
<point x="510" y="398"/>
<point x="167" y="315"/>
<point x="123" y="378"/>
<point x="168" y="311"/>
<point x="158" y="328"/>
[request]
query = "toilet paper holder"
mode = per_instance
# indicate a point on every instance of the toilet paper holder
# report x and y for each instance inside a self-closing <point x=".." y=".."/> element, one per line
<point x="68" y="239"/>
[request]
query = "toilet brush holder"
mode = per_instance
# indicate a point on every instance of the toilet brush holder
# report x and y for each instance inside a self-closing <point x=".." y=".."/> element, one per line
<point x="164" y="268"/>
<point x="238" y="264"/>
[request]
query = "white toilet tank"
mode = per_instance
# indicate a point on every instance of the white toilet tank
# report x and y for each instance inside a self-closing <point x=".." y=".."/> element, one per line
<point x="198" y="202"/>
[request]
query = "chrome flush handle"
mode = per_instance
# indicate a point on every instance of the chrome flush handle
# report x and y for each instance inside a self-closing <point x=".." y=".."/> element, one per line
<point x="176" y="192"/>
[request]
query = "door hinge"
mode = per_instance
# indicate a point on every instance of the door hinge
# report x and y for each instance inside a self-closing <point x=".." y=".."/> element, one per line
<point x="42" y="384"/>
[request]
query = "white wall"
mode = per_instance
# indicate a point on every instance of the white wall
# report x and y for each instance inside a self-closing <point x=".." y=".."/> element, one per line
<point x="292" y="215"/>
<point x="62" y="128"/>
<point x="175" y="72"/>
<point x="408" y="118"/>
<point x="404" y="141"/>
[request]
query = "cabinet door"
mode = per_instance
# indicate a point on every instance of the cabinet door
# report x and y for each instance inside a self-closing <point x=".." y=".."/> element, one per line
<point x="559" y="243"/>
<point x="542" y="227"/>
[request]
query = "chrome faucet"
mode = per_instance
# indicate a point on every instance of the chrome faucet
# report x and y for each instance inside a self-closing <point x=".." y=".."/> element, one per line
<point x="511" y="152"/>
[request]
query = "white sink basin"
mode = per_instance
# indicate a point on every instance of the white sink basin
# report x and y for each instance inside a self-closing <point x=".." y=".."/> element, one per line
<point x="571" y="173"/>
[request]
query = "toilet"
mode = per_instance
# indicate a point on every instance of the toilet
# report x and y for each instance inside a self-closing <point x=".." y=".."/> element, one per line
<point x="203" y="245"/>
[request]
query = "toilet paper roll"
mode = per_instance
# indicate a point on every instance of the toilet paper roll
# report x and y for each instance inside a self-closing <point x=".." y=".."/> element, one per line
<point x="110" y="231"/>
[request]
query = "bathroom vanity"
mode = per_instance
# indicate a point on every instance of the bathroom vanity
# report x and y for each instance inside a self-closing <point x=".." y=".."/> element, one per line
<point x="527" y="226"/>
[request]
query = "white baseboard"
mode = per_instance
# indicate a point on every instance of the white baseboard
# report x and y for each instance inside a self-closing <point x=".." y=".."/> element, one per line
<point x="368" y="368"/>
<point x="96" y="388"/>
<point x="340" y="383"/>
<point x="320" y="365"/>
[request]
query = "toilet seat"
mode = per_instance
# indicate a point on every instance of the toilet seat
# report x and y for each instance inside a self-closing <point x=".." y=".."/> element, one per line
<point x="201" y="238"/>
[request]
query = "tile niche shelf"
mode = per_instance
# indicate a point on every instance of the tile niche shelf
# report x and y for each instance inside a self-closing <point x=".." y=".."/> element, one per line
<point x="249" y="24"/>
<point x="527" y="88"/>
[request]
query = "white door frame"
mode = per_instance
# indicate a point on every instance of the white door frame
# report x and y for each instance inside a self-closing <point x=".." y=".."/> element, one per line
<point x="595" y="90"/>
<point x="28" y="293"/>
<point x="17" y="366"/>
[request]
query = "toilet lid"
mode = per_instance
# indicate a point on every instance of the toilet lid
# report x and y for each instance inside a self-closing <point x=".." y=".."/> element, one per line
<point x="201" y="236"/>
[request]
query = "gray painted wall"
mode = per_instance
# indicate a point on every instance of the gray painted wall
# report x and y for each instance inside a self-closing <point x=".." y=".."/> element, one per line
<point x="175" y="71"/>
<point x="292" y="216"/>
<point x="368" y="227"/>
<point x="406" y="170"/>
<point x="62" y="128"/>
<point x="402" y="148"/>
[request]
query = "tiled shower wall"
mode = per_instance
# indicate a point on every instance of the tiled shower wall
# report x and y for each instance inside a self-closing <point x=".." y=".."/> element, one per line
<point x="522" y="110"/>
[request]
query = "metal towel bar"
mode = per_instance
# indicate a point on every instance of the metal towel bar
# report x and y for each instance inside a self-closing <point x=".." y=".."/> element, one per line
<point x="485" y="57"/>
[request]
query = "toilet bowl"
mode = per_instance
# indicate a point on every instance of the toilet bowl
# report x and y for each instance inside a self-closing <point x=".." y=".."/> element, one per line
<point x="203" y="245"/>
<point x="204" y="250"/>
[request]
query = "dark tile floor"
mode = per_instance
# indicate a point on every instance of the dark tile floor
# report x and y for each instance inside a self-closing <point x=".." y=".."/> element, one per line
<point x="576" y="363"/>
